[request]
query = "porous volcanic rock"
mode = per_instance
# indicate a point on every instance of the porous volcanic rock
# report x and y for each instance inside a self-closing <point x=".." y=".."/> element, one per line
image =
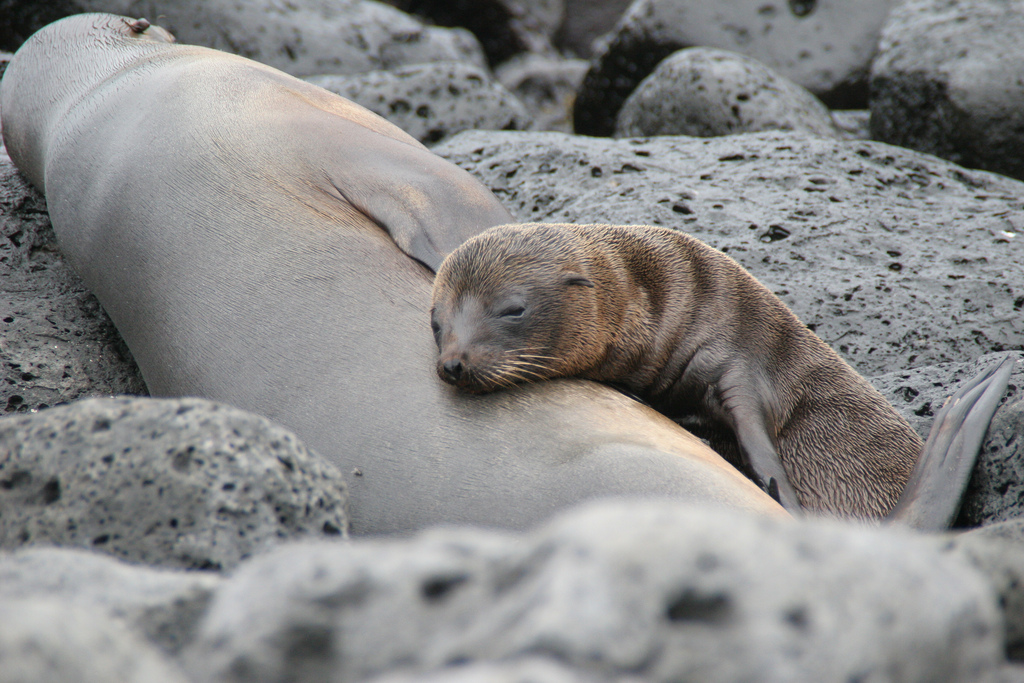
<point x="173" y="482"/>
<point x="162" y="605"/>
<point x="525" y="670"/>
<point x="434" y="101"/>
<point x="997" y="551"/>
<point x="300" y="37"/>
<point x="546" y="85"/>
<point x="56" y="342"/>
<point x="51" y="641"/>
<point x="824" y="45"/>
<point x="705" y="92"/>
<point x="656" y="589"/>
<point x="949" y="80"/>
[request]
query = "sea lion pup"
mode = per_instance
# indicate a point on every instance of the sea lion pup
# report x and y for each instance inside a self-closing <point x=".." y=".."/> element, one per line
<point x="686" y="329"/>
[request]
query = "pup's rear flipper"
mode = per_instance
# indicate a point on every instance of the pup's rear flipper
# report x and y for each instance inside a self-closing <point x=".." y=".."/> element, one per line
<point x="932" y="496"/>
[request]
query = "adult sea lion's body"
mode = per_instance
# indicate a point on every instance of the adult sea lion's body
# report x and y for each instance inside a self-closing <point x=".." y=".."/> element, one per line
<point x="687" y="329"/>
<point x="229" y="219"/>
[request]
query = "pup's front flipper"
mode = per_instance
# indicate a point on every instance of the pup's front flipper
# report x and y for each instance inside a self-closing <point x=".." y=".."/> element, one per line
<point x="760" y="454"/>
<point x="931" y="498"/>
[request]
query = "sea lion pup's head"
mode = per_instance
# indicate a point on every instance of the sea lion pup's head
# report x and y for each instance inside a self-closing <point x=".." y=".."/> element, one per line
<point x="517" y="303"/>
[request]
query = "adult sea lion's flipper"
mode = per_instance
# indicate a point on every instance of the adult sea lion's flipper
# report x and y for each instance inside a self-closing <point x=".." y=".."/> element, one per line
<point x="427" y="205"/>
<point x="931" y="498"/>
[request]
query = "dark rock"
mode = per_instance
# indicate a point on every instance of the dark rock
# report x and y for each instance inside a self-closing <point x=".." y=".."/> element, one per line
<point x="504" y="28"/>
<point x="865" y="242"/>
<point x="5" y="59"/>
<point x="300" y="37"/>
<point x="996" y="491"/>
<point x="657" y="590"/>
<point x="707" y="92"/>
<point x="49" y="641"/>
<point x="432" y="102"/>
<point x="546" y="86"/>
<point x="163" y="605"/>
<point x="22" y="18"/>
<point x="56" y="343"/>
<point x="949" y="80"/>
<point x="178" y="483"/>
<point x="826" y="48"/>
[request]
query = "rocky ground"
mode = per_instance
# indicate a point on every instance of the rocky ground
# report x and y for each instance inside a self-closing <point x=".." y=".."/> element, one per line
<point x="195" y="542"/>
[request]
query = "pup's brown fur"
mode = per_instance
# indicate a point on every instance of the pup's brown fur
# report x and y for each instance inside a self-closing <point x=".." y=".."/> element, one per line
<point x="685" y="328"/>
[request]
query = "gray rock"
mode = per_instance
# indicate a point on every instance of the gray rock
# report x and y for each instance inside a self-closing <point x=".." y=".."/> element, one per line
<point x="996" y="491"/>
<point x="433" y="101"/>
<point x="528" y="670"/>
<point x="504" y="27"/>
<point x="47" y="641"/>
<point x="1010" y="673"/>
<point x="300" y="37"/>
<point x="162" y="605"/>
<point x="1010" y="532"/>
<point x="865" y="242"/>
<point x="998" y="553"/>
<point x="546" y="86"/>
<point x="948" y="81"/>
<point x="658" y="590"/>
<point x="854" y="124"/>
<point x="56" y="343"/>
<point x="295" y="613"/>
<point x="824" y="46"/>
<point x="586" y="21"/>
<point x="919" y="393"/>
<point x="707" y="92"/>
<point x="179" y="483"/>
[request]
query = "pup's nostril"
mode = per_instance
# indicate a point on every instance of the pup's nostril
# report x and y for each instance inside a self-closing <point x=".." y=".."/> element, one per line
<point x="452" y="369"/>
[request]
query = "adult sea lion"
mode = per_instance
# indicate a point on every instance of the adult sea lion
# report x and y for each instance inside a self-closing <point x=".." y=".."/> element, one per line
<point x="688" y="330"/>
<point x="229" y="218"/>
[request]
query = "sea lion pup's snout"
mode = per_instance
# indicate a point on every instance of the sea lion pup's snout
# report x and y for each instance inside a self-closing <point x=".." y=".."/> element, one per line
<point x="504" y="308"/>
